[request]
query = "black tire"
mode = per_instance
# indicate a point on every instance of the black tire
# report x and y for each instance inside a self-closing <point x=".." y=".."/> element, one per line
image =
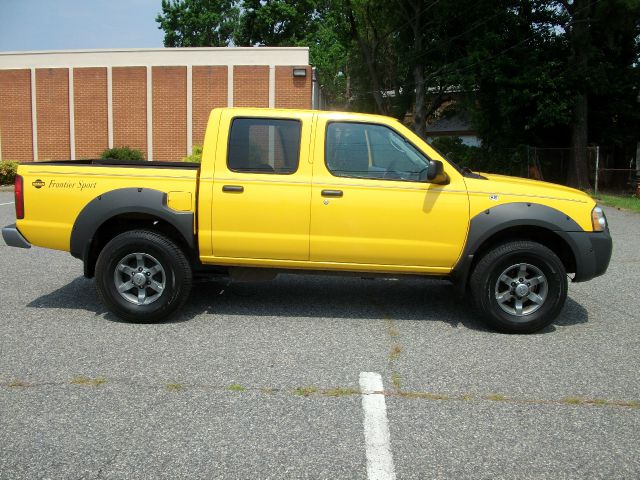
<point x="174" y="276"/>
<point x="487" y="283"/>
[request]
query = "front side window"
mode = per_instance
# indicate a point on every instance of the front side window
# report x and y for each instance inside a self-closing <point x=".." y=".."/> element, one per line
<point x="264" y="145"/>
<point x="360" y="150"/>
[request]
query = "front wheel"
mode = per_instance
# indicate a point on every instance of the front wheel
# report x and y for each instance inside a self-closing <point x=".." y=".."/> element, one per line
<point x="519" y="287"/>
<point x="142" y="276"/>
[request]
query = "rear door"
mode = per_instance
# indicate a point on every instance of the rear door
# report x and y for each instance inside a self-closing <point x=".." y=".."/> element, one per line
<point x="262" y="186"/>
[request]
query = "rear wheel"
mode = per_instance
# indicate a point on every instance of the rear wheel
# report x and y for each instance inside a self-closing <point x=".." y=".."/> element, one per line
<point x="519" y="287"/>
<point x="142" y="276"/>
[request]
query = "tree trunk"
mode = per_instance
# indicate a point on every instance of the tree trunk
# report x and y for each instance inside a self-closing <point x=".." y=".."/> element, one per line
<point x="580" y="41"/>
<point x="578" y="165"/>
<point x="370" y="61"/>
<point x="420" y="107"/>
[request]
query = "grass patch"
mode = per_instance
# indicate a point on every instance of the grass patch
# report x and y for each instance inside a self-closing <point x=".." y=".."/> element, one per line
<point x="173" y="387"/>
<point x="234" y="387"/>
<point x="466" y="397"/>
<point x="426" y="395"/>
<point x="93" y="382"/>
<point x="395" y="352"/>
<point x="628" y="202"/>
<point x="305" y="391"/>
<point x="268" y="391"/>
<point x="17" y="384"/>
<point x="572" y="400"/>
<point x="396" y="380"/>
<point x="496" y="397"/>
<point x="340" y="392"/>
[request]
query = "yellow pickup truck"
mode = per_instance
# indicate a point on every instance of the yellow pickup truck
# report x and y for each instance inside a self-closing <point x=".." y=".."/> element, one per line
<point x="311" y="191"/>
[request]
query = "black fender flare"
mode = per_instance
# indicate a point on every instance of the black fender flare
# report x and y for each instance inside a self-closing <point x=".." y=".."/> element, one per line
<point x="120" y="202"/>
<point x="517" y="214"/>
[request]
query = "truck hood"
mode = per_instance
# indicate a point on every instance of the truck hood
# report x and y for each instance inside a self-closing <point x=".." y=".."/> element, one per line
<point x="523" y="187"/>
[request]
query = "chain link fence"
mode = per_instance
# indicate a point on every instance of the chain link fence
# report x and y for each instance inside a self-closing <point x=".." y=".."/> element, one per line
<point x="552" y="165"/>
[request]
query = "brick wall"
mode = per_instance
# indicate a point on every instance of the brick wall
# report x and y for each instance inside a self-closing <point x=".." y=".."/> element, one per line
<point x="169" y="113"/>
<point x="209" y="90"/>
<point x="15" y="115"/>
<point x="90" y="110"/>
<point x="52" y="100"/>
<point x="292" y="92"/>
<point x="251" y="86"/>
<point x="129" y="88"/>
<point x="129" y="93"/>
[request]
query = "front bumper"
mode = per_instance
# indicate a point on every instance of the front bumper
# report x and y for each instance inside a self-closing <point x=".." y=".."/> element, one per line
<point x="14" y="238"/>
<point x="592" y="251"/>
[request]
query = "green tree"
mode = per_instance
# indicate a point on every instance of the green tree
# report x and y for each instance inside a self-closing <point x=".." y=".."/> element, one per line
<point x="534" y="72"/>
<point x="198" y="23"/>
<point x="276" y="22"/>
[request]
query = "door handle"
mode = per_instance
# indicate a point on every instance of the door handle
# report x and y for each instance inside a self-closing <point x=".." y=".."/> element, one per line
<point x="331" y="193"/>
<point x="233" y="188"/>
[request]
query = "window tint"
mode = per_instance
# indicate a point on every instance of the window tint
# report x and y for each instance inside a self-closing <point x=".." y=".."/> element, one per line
<point x="372" y="151"/>
<point x="264" y="145"/>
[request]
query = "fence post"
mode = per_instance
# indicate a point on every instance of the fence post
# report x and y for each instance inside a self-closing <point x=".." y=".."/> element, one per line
<point x="597" y="167"/>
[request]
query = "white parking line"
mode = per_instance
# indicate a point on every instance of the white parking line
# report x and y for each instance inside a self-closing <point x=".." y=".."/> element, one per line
<point x="10" y="203"/>
<point x="376" y="428"/>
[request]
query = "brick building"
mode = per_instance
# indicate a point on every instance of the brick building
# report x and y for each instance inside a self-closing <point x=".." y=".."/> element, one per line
<point x="74" y="104"/>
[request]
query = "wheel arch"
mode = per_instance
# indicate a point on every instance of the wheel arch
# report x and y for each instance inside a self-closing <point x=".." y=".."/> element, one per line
<point x="517" y="221"/>
<point x="127" y="209"/>
<point x="549" y="238"/>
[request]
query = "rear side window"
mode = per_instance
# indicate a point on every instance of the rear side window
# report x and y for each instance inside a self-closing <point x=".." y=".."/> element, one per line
<point x="264" y="145"/>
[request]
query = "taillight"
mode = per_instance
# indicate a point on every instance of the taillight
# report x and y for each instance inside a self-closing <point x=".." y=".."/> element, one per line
<point x="19" y="190"/>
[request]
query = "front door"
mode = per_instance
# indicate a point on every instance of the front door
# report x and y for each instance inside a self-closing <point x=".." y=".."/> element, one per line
<point x="262" y="188"/>
<point x="371" y="204"/>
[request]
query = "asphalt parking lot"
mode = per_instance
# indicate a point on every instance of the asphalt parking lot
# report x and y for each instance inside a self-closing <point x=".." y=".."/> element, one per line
<point x="263" y="380"/>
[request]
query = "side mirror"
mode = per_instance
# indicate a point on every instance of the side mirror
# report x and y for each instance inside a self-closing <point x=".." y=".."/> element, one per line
<point x="436" y="173"/>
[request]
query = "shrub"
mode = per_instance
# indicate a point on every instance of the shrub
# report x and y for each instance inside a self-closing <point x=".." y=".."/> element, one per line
<point x="507" y="161"/>
<point x="123" y="153"/>
<point x="8" y="172"/>
<point x="196" y="155"/>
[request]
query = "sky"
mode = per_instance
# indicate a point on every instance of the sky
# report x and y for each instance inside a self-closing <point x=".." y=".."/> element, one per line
<point x="78" y="24"/>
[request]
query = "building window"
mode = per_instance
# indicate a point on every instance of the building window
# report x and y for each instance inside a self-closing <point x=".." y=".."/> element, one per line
<point x="264" y="145"/>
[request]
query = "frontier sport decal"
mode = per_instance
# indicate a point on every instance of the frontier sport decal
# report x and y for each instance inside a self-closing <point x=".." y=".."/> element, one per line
<point x="80" y="184"/>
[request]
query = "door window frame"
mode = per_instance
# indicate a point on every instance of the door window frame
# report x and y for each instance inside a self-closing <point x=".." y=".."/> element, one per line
<point x="355" y="122"/>
<point x="266" y="118"/>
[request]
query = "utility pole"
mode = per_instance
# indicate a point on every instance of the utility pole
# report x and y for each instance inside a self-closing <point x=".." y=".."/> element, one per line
<point x="597" y="168"/>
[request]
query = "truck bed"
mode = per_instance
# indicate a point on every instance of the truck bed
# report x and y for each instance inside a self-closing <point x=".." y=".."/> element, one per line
<point x="56" y="192"/>
<point x="109" y="162"/>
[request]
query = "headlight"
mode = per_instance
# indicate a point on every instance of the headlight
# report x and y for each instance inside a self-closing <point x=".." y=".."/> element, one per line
<point x="598" y="219"/>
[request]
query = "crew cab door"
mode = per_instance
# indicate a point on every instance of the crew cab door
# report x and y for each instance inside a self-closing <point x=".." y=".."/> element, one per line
<point x="371" y="204"/>
<point x="262" y="186"/>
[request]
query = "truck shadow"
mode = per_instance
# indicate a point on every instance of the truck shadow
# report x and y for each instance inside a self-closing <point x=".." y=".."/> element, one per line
<point x="319" y="297"/>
